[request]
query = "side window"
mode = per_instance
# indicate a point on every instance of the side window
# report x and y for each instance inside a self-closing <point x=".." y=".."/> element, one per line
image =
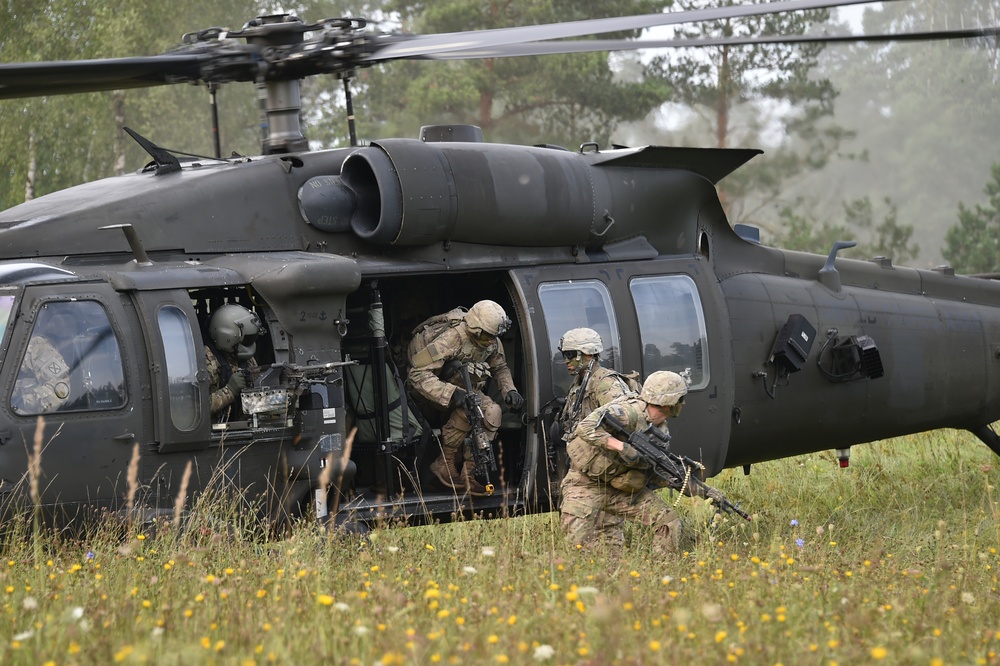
<point x="73" y="362"/>
<point x="577" y="304"/>
<point x="182" y="367"/>
<point x="671" y="326"/>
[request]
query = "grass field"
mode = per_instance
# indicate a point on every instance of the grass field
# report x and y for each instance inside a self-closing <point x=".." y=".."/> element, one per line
<point x="893" y="560"/>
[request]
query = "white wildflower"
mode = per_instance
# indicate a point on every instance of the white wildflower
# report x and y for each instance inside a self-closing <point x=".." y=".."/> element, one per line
<point x="488" y="552"/>
<point x="361" y="630"/>
<point x="342" y="607"/>
<point x="29" y="603"/>
<point x="666" y="579"/>
<point x="157" y="632"/>
<point x="77" y="613"/>
<point x="544" y="652"/>
<point x="24" y="635"/>
<point x="968" y="598"/>
<point x="586" y="590"/>
<point x="469" y="571"/>
<point x="393" y="549"/>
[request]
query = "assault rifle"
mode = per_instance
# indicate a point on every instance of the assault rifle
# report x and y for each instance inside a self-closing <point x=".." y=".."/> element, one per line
<point x="679" y="472"/>
<point x="297" y="378"/>
<point x="478" y="440"/>
<point x="574" y="415"/>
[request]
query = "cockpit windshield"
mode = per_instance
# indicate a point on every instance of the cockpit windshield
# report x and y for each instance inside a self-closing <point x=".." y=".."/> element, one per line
<point x="6" y="307"/>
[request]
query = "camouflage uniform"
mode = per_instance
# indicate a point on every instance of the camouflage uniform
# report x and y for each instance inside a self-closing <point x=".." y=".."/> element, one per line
<point x="600" y="480"/>
<point x="439" y="340"/>
<point x="43" y="385"/>
<point x="221" y="396"/>
<point x="603" y="386"/>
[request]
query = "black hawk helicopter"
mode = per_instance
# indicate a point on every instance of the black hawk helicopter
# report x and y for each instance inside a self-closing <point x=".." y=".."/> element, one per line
<point x="340" y="253"/>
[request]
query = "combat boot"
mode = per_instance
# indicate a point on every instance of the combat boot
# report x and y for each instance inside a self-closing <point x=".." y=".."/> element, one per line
<point x="446" y="471"/>
<point x="475" y="488"/>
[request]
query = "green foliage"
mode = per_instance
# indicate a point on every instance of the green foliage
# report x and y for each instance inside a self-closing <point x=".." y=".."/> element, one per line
<point x="563" y="99"/>
<point x="894" y="559"/>
<point x="77" y="138"/>
<point x="888" y="238"/>
<point x="747" y="95"/>
<point x="973" y="244"/>
<point x="924" y="113"/>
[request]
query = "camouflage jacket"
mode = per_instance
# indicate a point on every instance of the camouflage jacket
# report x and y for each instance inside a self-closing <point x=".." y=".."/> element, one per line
<point x="588" y="450"/>
<point x="434" y="345"/>
<point x="603" y="386"/>
<point x="43" y="381"/>
<point x="221" y="396"/>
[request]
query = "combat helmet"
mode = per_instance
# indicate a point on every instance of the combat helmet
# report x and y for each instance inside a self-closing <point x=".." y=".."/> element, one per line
<point x="234" y="329"/>
<point x="487" y="317"/>
<point x="663" y="388"/>
<point x="584" y="340"/>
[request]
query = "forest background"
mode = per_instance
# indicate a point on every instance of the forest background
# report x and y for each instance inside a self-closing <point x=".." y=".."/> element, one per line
<point x="892" y="145"/>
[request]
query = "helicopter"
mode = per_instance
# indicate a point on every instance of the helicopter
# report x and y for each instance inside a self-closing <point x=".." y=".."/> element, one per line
<point x="342" y="252"/>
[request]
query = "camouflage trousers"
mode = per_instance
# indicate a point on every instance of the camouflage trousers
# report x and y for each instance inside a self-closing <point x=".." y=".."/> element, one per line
<point x="456" y="428"/>
<point x="589" y="507"/>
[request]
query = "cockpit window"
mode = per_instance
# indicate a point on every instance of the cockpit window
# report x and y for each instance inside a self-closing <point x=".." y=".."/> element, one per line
<point x="6" y="308"/>
<point x="73" y="362"/>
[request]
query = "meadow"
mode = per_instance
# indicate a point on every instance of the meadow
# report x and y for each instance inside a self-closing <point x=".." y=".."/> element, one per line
<point x="893" y="560"/>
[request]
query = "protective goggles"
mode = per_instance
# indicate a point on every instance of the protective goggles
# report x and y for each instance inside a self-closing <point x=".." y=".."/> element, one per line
<point x="572" y="355"/>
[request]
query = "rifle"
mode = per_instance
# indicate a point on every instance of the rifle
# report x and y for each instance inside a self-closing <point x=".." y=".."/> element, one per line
<point x="679" y="472"/>
<point x="482" y="447"/>
<point x="297" y="378"/>
<point x="578" y="403"/>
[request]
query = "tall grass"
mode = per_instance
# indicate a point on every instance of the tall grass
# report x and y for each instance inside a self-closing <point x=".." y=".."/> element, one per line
<point x="894" y="559"/>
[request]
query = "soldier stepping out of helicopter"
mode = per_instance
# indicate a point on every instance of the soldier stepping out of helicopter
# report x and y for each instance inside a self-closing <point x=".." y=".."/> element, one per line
<point x="470" y="337"/>
<point x="593" y="386"/>
<point x="229" y="355"/>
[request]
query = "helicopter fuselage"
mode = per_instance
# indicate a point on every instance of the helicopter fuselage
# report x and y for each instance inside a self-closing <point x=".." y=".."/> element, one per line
<point x="787" y="353"/>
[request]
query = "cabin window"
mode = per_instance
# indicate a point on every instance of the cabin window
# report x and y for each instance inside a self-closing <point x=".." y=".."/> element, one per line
<point x="578" y="304"/>
<point x="671" y="327"/>
<point x="73" y="362"/>
<point x="182" y="367"/>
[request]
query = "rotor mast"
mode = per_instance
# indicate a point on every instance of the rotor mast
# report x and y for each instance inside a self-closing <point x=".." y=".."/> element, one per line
<point x="280" y="100"/>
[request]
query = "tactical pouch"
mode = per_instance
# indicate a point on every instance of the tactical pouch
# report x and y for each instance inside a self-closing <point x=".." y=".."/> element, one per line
<point x="631" y="481"/>
<point x="591" y="460"/>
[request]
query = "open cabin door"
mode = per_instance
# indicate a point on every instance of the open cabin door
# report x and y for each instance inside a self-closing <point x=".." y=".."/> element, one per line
<point x="179" y="380"/>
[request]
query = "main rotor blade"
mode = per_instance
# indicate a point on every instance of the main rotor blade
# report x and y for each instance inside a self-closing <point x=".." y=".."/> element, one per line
<point x="76" y="76"/>
<point x="419" y="46"/>
<point x="550" y="48"/>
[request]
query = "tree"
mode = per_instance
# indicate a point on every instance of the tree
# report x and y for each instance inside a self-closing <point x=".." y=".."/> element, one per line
<point x="924" y="115"/>
<point x="973" y="244"/>
<point x="747" y="95"/>
<point x="565" y="99"/>
<point x="888" y="238"/>
<point x="49" y="143"/>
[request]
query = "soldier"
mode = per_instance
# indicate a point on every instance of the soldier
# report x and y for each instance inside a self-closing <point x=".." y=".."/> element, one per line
<point x="607" y="476"/>
<point x="593" y="386"/>
<point x="43" y="380"/>
<point x="470" y="338"/>
<point x="232" y="342"/>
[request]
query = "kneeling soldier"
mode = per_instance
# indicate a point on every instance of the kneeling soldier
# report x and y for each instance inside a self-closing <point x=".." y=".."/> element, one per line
<point x="607" y="476"/>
